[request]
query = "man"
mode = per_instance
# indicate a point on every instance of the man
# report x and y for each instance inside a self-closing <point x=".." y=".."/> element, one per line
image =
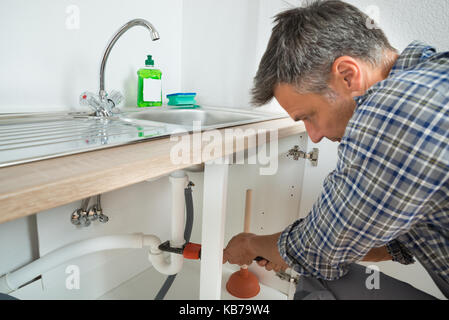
<point x="388" y="198"/>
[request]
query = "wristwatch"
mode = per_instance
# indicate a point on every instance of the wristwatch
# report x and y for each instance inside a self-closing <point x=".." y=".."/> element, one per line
<point x="399" y="252"/>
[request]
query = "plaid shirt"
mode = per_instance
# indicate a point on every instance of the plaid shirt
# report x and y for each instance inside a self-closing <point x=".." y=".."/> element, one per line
<point x="391" y="183"/>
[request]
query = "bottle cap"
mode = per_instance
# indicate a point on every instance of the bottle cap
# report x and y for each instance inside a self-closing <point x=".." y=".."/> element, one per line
<point x="149" y="61"/>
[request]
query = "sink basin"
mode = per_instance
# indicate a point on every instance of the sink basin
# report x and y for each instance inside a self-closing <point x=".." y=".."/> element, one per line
<point x="187" y="117"/>
<point x="206" y="118"/>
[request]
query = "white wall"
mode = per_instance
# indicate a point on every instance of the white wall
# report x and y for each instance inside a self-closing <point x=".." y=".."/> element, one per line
<point x="45" y="65"/>
<point x="218" y="61"/>
<point x="406" y="20"/>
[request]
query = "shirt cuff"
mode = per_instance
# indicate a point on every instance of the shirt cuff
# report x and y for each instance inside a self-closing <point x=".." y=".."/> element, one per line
<point x="295" y="257"/>
<point x="283" y="244"/>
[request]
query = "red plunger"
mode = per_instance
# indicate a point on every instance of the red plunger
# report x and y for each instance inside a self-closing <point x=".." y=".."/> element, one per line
<point x="244" y="283"/>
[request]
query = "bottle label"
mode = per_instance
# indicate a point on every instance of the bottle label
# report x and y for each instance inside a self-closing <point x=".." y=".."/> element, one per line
<point x="152" y="89"/>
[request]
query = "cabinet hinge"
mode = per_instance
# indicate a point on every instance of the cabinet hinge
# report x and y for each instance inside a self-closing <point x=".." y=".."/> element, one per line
<point x="295" y="153"/>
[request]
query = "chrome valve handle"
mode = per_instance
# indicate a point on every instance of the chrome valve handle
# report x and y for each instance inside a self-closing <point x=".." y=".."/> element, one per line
<point x="102" y="108"/>
<point x="83" y="217"/>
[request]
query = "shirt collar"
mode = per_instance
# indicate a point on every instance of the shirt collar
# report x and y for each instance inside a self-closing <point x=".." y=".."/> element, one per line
<point x="415" y="53"/>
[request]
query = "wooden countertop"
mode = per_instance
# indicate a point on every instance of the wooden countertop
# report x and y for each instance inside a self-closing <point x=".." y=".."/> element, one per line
<point x="33" y="187"/>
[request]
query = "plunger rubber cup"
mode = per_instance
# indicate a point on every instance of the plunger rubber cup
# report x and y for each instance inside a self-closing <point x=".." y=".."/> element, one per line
<point x="243" y="284"/>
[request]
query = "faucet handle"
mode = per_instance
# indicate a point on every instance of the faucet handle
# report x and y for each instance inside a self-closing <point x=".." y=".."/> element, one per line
<point x="102" y="107"/>
<point x="115" y="97"/>
<point x="91" y="100"/>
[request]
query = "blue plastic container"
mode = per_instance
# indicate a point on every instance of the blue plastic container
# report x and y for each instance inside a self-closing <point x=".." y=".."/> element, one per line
<point x="181" y="99"/>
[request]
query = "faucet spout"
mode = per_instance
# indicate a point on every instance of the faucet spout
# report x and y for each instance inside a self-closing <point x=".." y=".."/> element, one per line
<point x="136" y="22"/>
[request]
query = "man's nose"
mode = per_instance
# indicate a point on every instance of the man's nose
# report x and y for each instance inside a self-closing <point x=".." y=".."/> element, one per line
<point x="314" y="134"/>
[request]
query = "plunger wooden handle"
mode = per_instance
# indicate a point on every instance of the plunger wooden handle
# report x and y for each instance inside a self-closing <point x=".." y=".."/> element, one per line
<point x="247" y="221"/>
<point x="248" y="204"/>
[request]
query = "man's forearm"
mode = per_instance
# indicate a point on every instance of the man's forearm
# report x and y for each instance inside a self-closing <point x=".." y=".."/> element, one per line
<point x="377" y="255"/>
<point x="266" y="247"/>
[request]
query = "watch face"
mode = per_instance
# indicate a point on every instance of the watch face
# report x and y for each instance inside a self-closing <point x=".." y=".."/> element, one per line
<point x="399" y="252"/>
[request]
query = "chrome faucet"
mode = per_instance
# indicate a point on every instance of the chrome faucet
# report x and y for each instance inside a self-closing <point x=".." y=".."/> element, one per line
<point x="104" y="103"/>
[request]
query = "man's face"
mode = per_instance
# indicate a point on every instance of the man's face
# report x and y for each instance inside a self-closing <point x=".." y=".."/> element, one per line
<point x="323" y="117"/>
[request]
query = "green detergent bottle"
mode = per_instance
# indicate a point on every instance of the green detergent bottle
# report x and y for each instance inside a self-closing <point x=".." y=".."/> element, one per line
<point x="149" y="92"/>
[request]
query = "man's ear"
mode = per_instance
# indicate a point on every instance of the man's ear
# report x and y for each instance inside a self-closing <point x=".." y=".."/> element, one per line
<point x="347" y="74"/>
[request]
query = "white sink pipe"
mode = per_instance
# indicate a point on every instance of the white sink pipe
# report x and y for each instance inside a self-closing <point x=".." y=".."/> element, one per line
<point x="12" y="281"/>
<point x="178" y="181"/>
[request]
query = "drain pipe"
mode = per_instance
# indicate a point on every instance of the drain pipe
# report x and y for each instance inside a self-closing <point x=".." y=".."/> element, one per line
<point x="178" y="181"/>
<point x="13" y="280"/>
<point x="187" y="234"/>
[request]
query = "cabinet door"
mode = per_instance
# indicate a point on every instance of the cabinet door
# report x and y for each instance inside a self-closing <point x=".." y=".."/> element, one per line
<point x="278" y="199"/>
<point x="313" y="177"/>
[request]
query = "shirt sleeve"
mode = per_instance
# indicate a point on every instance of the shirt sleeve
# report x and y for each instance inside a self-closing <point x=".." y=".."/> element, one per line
<point x="383" y="185"/>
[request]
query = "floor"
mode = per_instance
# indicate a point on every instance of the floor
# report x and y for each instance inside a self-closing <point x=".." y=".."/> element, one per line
<point x="145" y="285"/>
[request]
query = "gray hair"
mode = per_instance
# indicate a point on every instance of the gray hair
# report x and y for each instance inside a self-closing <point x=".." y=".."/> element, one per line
<point x="306" y="41"/>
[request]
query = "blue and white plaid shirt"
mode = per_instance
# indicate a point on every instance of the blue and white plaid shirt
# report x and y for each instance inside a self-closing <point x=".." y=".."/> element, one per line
<point x="391" y="183"/>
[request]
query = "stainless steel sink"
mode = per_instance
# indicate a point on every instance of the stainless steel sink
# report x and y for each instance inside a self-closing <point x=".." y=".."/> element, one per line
<point x="30" y="137"/>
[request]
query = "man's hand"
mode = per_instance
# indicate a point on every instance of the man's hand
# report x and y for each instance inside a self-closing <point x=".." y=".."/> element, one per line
<point x="244" y="247"/>
<point x="240" y="250"/>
